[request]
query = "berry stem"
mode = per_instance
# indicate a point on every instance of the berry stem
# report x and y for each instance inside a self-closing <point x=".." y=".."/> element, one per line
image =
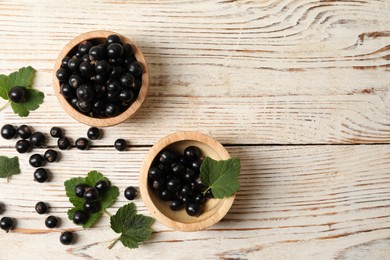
<point x="5" y="105"/>
<point x="108" y="213"/>
<point x="114" y="242"/>
<point x="205" y="191"/>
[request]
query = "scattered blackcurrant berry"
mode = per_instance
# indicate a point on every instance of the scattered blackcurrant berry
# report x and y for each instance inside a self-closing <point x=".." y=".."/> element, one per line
<point x="80" y="189"/>
<point x="91" y="206"/>
<point x="82" y="143"/>
<point x="22" y="146"/>
<point x="41" y="207"/>
<point x="80" y="217"/>
<point x="56" y="132"/>
<point x="93" y="133"/>
<point x="41" y="175"/>
<point x="8" y="131"/>
<point x="66" y="238"/>
<point x="63" y="143"/>
<point x="102" y="186"/>
<point x="51" y="222"/>
<point x="120" y="144"/>
<point x="91" y="194"/>
<point x="130" y="193"/>
<point x="6" y="224"/>
<point x="24" y="131"/>
<point x="37" y="139"/>
<point x="36" y="160"/>
<point x="51" y="155"/>
<point x="17" y="94"/>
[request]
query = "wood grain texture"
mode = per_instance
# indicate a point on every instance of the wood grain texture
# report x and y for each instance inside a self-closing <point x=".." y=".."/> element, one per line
<point x="293" y="203"/>
<point x="298" y="89"/>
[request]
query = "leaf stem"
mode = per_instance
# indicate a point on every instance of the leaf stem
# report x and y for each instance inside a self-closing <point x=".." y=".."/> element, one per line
<point x="108" y="213"/>
<point x="114" y="242"/>
<point x="5" y="105"/>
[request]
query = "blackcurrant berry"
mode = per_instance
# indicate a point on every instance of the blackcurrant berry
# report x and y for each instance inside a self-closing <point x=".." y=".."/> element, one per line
<point x="66" y="238"/>
<point x="56" y="132"/>
<point x="165" y="195"/>
<point x="112" y="97"/>
<point x="51" y="155"/>
<point x="24" y="131"/>
<point x="127" y="95"/>
<point x="84" y="106"/>
<point x="8" y="131"/>
<point x="176" y="204"/>
<point x="116" y="72"/>
<point x="80" y="217"/>
<point x="80" y="189"/>
<point x="91" y="194"/>
<point x="114" y="50"/>
<point x="185" y="191"/>
<point x="189" y="176"/>
<point x="195" y="165"/>
<point x="75" y="81"/>
<point x="36" y="160"/>
<point x="173" y="185"/>
<point x="102" y="186"/>
<point x="199" y="198"/>
<point x="193" y="209"/>
<point x="135" y="69"/>
<point x="127" y="50"/>
<point x="192" y="153"/>
<point x="85" y="92"/>
<point x="178" y="168"/>
<point x="91" y="206"/>
<point x="41" y="207"/>
<point x="95" y="53"/>
<point x="167" y="157"/>
<point x="93" y="133"/>
<point x="41" y="175"/>
<point x="37" y="139"/>
<point x="67" y="91"/>
<point x="86" y="69"/>
<point x="62" y="75"/>
<point x="113" y="38"/>
<point x="63" y="143"/>
<point x="120" y="144"/>
<point x="114" y="86"/>
<point x="51" y="222"/>
<point x="102" y="67"/>
<point x="6" y="224"/>
<point x="127" y="80"/>
<point x="22" y="146"/>
<point x="82" y="143"/>
<point x="64" y="62"/>
<point x="73" y="64"/>
<point x="130" y="193"/>
<point x="84" y="47"/>
<point x="159" y="184"/>
<point x="154" y="173"/>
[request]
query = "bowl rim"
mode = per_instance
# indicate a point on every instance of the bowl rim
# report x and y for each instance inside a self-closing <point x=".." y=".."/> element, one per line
<point x="226" y="203"/>
<point x="110" y="121"/>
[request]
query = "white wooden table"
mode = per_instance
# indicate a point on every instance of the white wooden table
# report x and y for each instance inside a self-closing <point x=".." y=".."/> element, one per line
<point x="299" y="90"/>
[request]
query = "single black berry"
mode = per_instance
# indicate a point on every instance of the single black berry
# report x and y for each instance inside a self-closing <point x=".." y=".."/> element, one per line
<point x="178" y="168"/>
<point x="195" y="165"/>
<point x="127" y="50"/>
<point x="176" y="204"/>
<point x="51" y="155"/>
<point x="37" y="139"/>
<point x="173" y="185"/>
<point x="165" y="195"/>
<point x="67" y="91"/>
<point x="199" y="198"/>
<point x="73" y="64"/>
<point x="130" y="193"/>
<point x="22" y="146"/>
<point x="192" y="153"/>
<point x="95" y="53"/>
<point x="167" y="157"/>
<point x="84" y="47"/>
<point x="56" y="132"/>
<point x="93" y="133"/>
<point x="114" y="87"/>
<point x="75" y="81"/>
<point x="102" y="67"/>
<point x="6" y="224"/>
<point x="135" y="69"/>
<point x="84" y="106"/>
<point x="17" y="94"/>
<point x="41" y="175"/>
<point x="111" y="110"/>
<point x="82" y="143"/>
<point x="113" y="38"/>
<point x="159" y="184"/>
<point x="80" y="189"/>
<point x="114" y="50"/>
<point x="189" y="176"/>
<point x="24" y="131"/>
<point x="80" y="217"/>
<point x="36" y="160"/>
<point x="193" y="209"/>
<point x="41" y="207"/>
<point x="51" y="222"/>
<point x="102" y="186"/>
<point x="62" y="75"/>
<point x="86" y="69"/>
<point x="85" y="92"/>
<point x="120" y="144"/>
<point x="186" y="190"/>
<point x="66" y="238"/>
<point x="64" y="62"/>
<point x="127" y="80"/>
<point x="127" y="95"/>
<point x="91" y="206"/>
<point x="154" y="173"/>
<point x="63" y="143"/>
<point x="91" y="194"/>
<point x="8" y="131"/>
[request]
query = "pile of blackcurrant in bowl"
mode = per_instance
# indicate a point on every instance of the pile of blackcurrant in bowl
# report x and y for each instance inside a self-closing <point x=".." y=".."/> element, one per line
<point x="101" y="75"/>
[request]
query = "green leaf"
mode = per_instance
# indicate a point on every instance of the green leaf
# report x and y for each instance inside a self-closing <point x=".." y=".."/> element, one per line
<point x="34" y="99"/>
<point x="9" y="166"/>
<point x="134" y="228"/>
<point x="23" y="77"/>
<point x="5" y="86"/>
<point x="108" y="198"/>
<point x="221" y="176"/>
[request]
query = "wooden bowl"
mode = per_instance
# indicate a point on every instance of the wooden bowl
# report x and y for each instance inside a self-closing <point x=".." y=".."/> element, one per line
<point x="214" y="209"/>
<point x="110" y="121"/>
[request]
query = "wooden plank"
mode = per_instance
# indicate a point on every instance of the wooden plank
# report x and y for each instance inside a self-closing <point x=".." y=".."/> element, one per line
<point x="294" y="201"/>
<point x="251" y="72"/>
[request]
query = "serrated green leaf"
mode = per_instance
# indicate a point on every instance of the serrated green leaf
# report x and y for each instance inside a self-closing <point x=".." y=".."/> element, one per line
<point x="134" y="228"/>
<point x="5" y="86"/>
<point x="221" y="176"/>
<point x="108" y="198"/>
<point x="9" y="166"/>
<point x="23" y="77"/>
<point x="34" y="99"/>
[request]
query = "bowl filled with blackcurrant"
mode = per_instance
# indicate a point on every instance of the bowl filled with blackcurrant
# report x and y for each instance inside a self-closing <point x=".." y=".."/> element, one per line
<point x="101" y="78"/>
<point x="170" y="183"/>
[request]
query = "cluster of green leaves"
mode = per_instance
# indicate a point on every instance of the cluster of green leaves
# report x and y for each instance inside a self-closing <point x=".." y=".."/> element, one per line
<point x="220" y="176"/>
<point x="24" y="77"/>
<point x="9" y="166"/>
